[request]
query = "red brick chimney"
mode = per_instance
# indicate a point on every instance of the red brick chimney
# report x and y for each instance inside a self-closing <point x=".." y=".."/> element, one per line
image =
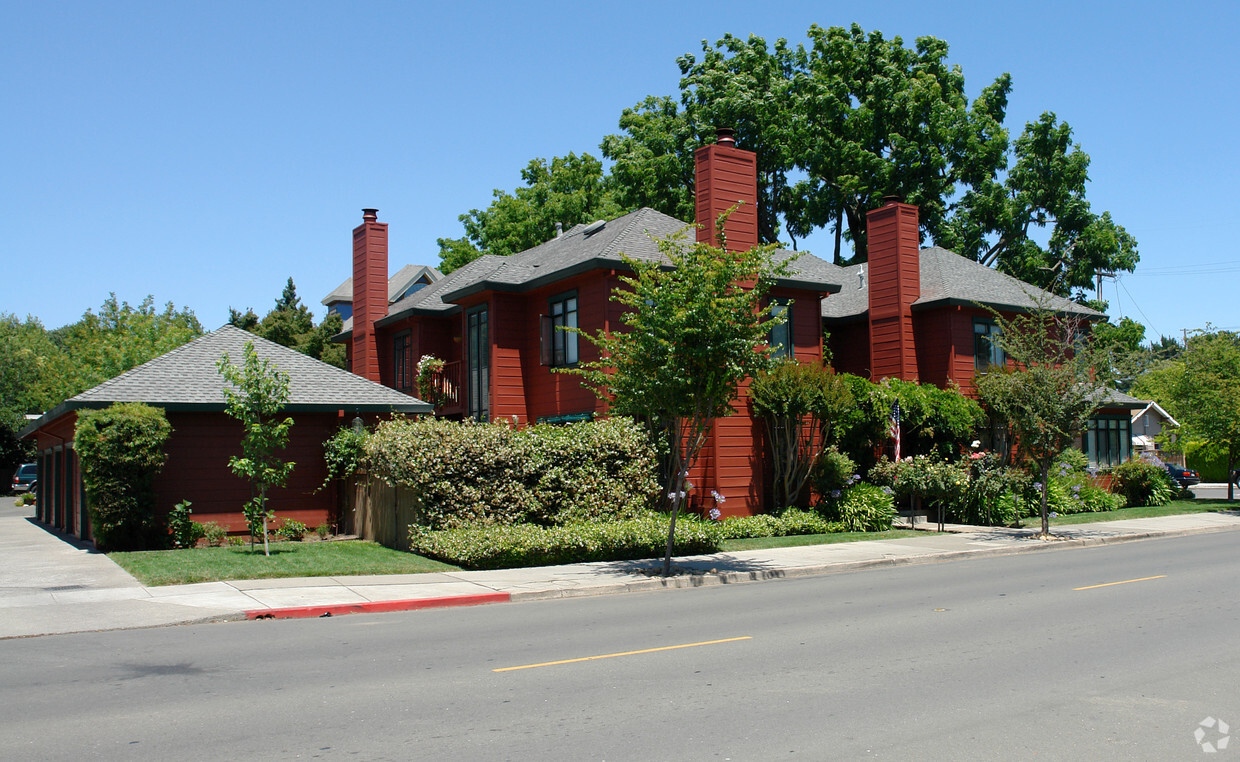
<point x="725" y="176"/>
<point x="370" y="291"/>
<point x="894" y="275"/>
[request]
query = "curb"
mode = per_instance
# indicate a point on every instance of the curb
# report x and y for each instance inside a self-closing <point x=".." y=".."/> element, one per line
<point x="730" y="578"/>
<point x="375" y="607"/>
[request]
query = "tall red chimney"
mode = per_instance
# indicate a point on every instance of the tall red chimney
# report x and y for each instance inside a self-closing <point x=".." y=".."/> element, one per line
<point x="895" y="283"/>
<point x="725" y="176"/>
<point x="370" y="291"/>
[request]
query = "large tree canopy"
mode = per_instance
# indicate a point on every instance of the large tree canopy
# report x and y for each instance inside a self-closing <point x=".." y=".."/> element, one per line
<point x="291" y="324"/>
<point x="838" y="122"/>
<point x="568" y="190"/>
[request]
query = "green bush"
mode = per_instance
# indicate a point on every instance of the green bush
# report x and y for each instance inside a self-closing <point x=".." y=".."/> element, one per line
<point x="291" y="530"/>
<point x="990" y="499"/>
<point x="488" y="473"/>
<point x="863" y="508"/>
<point x="930" y="479"/>
<point x="792" y="521"/>
<point x="185" y="531"/>
<point x="832" y="472"/>
<point x="216" y="535"/>
<point x="343" y="453"/>
<point x="502" y="547"/>
<point x="121" y="449"/>
<point x="1143" y="483"/>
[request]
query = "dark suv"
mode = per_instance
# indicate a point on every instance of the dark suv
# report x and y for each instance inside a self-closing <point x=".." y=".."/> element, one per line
<point x="1185" y="477"/>
<point x="26" y="477"/>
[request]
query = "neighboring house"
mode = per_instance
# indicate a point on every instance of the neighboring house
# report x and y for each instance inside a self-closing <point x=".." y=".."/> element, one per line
<point x="1108" y="439"/>
<point x="408" y="280"/>
<point x="187" y="385"/>
<point x="1148" y="424"/>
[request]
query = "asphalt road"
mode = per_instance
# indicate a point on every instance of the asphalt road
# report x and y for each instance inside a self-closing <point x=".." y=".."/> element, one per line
<point x="982" y="659"/>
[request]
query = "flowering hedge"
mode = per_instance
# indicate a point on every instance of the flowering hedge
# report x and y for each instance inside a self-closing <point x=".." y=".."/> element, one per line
<point x="862" y="508"/>
<point x="504" y="547"/>
<point x="490" y="473"/>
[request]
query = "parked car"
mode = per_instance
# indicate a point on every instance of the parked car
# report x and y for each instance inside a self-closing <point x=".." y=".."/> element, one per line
<point x="1185" y="477"/>
<point x="26" y="477"/>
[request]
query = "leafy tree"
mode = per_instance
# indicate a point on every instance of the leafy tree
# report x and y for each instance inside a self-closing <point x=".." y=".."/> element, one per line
<point x="800" y="404"/>
<point x="290" y="323"/>
<point x="1207" y="394"/>
<point x="692" y="334"/>
<point x="861" y="117"/>
<point x="569" y="190"/>
<point x="34" y="377"/>
<point x="1044" y="188"/>
<point x="1049" y="393"/>
<point x="121" y="450"/>
<point x="120" y="336"/>
<point x="259" y="394"/>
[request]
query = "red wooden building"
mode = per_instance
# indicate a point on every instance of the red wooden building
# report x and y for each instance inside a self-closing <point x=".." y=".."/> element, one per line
<point x="186" y="384"/>
<point x="908" y="313"/>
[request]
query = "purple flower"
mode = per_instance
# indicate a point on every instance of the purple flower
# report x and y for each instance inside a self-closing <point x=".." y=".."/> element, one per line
<point x="714" y="514"/>
<point x="835" y="493"/>
<point x="718" y="497"/>
<point x="888" y="491"/>
<point x="1037" y="486"/>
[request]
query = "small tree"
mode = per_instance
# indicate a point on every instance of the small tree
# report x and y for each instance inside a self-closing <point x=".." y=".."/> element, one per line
<point x="1051" y="391"/>
<point x="1207" y="395"/>
<point x="259" y="395"/>
<point x="694" y="332"/>
<point x="799" y="403"/>
<point x="121" y="449"/>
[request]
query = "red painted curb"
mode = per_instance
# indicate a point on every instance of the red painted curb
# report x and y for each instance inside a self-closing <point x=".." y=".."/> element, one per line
<point x="372" y="607"/>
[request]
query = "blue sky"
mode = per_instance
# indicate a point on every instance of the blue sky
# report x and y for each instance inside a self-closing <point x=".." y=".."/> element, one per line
<point x="205" y="152"/>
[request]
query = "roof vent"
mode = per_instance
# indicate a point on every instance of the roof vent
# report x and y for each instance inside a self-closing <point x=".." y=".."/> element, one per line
<point x="559" y="229"/>
<point x="861" y="276"/>
<point x="594" y="227"/>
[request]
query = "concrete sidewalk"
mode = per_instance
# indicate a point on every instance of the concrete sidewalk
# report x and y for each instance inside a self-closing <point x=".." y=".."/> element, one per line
<point x="50" y="586"/>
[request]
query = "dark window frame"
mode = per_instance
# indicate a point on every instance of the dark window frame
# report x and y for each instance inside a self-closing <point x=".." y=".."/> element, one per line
<point x="402" y="362"/>
<point x="987" y="351"/>
<point x="779" y="337"/>
<point x="559" y="347"/>
<point x="478" y="363"/>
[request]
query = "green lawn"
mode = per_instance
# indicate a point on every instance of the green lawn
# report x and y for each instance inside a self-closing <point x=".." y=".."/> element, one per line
<point x="288" y="559"/>
<point x="757" y="543"/>
<point x="1173" y="508"/>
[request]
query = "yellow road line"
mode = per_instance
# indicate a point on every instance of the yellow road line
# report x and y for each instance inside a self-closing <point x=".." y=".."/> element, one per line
<point x="624" y="653"/>
<point x="1123" y="582"/>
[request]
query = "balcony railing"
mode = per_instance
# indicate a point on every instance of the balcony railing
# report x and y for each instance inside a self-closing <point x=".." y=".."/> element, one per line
<point x="445" y="388"/>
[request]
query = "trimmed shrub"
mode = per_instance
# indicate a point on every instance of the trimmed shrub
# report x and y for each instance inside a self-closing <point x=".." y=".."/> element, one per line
<point x="793" y="521"/>
<point x="1143" y="483"/>
<point x="291" y="530"/>
<point x="216" y="535"/>
<point x="488" y="473"/>
<point x="121" y="449"/>
<point x="503" y="547"/>
<point x="863" y="508"/>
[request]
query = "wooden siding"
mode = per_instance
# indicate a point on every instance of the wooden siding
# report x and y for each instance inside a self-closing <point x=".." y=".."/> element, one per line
<point x="726" y="176"/>
<point x="894" y="284"/>
<point x="370" y="279"/>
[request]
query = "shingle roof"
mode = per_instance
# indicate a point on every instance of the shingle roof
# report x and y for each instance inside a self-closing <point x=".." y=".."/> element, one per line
<point x="187" y="379"/>
<point x="949" y="279"/>
<point x="396" y="284"/>
<point x="1110" y="398"/>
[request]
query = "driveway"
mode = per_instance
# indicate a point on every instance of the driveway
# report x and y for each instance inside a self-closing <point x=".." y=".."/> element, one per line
<point x="39" y="566"/>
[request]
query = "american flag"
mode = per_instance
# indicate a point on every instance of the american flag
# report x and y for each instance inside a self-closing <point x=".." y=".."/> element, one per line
<point x="894" y="429"/>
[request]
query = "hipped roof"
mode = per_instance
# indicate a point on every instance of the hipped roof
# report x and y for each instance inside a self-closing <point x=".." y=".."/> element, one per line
<point x="948" y="279"/>
<point x="187" y="378"/>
